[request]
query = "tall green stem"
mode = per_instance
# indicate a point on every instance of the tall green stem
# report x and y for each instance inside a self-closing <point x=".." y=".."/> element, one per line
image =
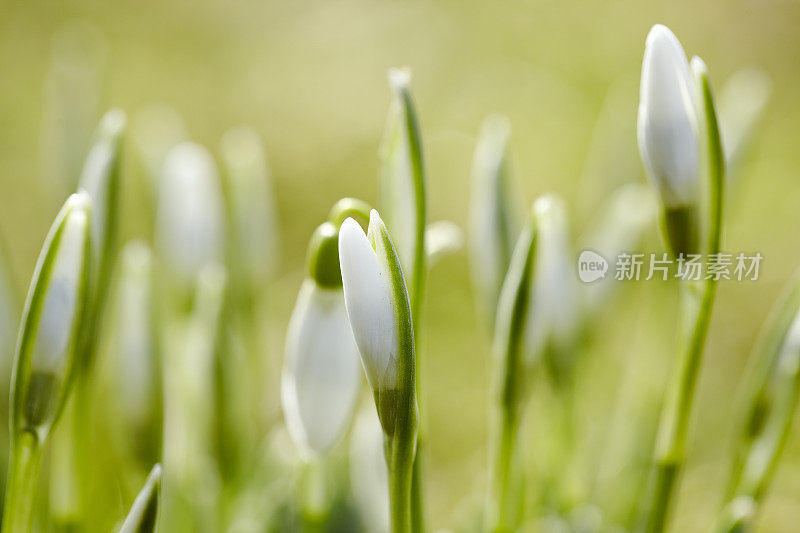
<point x="26" y="454"/>
<point x="697" y="298"/>
<point x="501" y="511"/>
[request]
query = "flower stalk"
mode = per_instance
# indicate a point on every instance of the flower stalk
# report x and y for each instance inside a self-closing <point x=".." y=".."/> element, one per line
<point x="379" y="309"/>
<point x="47" y="351"/>
<point x="697" y="301"/>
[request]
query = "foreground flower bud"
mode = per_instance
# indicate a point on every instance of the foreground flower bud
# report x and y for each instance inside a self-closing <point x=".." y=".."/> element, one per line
<point x="370" y="304"/>
<point x="321" y="374"/>
<point x="190" y="218"/>
<point x="53" y="317"/>
<point x="668" y="136"/>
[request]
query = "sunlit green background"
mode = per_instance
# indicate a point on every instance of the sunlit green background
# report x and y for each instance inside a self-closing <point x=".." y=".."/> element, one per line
<point x="310" y="77"/>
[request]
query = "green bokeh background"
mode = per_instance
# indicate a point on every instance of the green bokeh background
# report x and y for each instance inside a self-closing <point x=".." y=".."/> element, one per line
<point x="310" y="77"/>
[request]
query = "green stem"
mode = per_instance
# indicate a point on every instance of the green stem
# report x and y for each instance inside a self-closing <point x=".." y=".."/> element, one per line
<point x="26" y="454"/>
<point x="400" y="460"/>
<point x="501" y="510"/>
<point x="314" y="496"/>
<point x="698" y="299"/>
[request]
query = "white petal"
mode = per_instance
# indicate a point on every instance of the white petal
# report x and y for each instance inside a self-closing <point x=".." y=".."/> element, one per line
<point x="60" y="306"/>
<point x="190" y="221"/>
<point x="367" y="294"/>
<point x="667" y="125"/>
<point x="321" y="376"/>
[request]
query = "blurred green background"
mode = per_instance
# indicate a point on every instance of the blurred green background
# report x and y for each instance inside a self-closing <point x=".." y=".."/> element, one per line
<point x="310" y="77"/>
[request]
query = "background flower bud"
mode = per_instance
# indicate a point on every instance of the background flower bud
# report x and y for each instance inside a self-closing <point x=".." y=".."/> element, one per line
<point x="53" y="317"/>
<point x="190" y="218"/>
<point x="321" y="374"/>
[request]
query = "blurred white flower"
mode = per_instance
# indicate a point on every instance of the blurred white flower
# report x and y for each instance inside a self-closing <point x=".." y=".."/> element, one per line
<point x="321" y="374"/>
<point x="553" y="317"/>
<point x="254" y="222"/>
<point x="668" y="119"/>
<point x="190" y="218"/>
<point x="493" y="217"/>
<point x="369" y="299"/>
<point x="442" y="238"/>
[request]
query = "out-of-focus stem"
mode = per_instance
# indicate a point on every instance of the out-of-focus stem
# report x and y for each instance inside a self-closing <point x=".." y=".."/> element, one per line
<point x="26" y="454"/>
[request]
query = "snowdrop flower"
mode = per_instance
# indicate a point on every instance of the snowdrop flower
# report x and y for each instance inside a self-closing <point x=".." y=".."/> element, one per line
<point x="371" y="300"/>
<point x="254" y="226"/>
<point x="552" y="319"/>
<point x="493" y="220"/>
<point x="380" y="314"/>
<point x="321" y="375"/>
<point x="52" y="320"/>
<point x="668" y="134"/>
<point x="190" y="218"/>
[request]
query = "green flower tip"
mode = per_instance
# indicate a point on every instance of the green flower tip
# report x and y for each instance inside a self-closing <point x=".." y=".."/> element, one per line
<point x="323" y="256"/>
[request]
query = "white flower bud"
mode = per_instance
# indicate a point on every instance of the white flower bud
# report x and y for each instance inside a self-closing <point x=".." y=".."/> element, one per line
<point x="370" y="302"/>
<point x="53" y="317"/>
<point x="190" y="219"/>
<point x="668" y="121"/>
<point x="321" y="374"/>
